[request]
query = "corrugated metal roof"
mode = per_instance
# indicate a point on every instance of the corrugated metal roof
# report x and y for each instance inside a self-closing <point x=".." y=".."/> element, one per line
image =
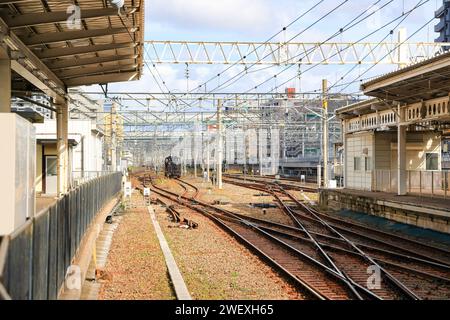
<point x="125" y="34"/>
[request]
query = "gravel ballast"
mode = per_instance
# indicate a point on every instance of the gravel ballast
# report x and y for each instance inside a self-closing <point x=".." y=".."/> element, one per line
<point x="135" y="261"/>
<point x="215" y="266"/>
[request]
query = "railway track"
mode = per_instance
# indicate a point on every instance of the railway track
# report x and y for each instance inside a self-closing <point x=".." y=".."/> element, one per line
<point x="288" y="184"/>
<point x="359" y="231"/>
<point x="419" y="266"/>
<point x="315" y="279"/>
<point x="321" y="261"/>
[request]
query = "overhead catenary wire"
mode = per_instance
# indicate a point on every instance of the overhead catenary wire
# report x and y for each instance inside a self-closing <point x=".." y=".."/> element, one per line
<point x="262" y="44"/>
<point x="422" y="2"/>
<point x="290" y="40"/>
<point x="157" y="71"/>
<point x="390" y="33"/>
<point x="279" y="47"/>
<point x="254" y="50"/>
<point x="347" y="27"/>
<point x="371" y="67"/>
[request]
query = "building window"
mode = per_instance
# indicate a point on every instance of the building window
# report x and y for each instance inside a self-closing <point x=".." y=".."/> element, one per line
<point x="367" y="164"/>
<point x="356" y="164"/>
<point x="432" y="161"/>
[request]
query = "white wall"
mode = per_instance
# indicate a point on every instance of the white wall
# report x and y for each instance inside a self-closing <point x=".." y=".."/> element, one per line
<point x="382" y="154"/>
<point x="87" y="154"/>
<point x="356" y="144"/>
<point x="417" y="146"/>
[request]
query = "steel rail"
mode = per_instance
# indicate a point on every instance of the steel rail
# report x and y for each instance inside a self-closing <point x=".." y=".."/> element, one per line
<point x="314" y="241"/>
<point x="339" y="248"/>
<point x="403" y="288"/>
<point x="368" y="258"/>
<point x="420" y="257"/>
<point x="351" y="284"/>
<point x="304" y="285"/>
<point x="424" y="274"/>
<point x="267" y="235"/>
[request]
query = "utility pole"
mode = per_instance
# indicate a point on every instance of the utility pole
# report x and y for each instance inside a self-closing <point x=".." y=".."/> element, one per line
<point x="245" y="153"/>
<point x="185" y="154"/>
<point x="154" y="151"/>
<point x="202" y="151"/>
<point x="219" y="144"/>
<point x="194" y="148"/>
<point x="325" y="131"/>
<point x="207" y="151"/>
<point x="260" y="142"/>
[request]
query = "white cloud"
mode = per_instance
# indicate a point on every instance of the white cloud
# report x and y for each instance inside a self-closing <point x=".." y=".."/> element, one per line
<point x="244" y="16"/>
<point x="257" y="20"/>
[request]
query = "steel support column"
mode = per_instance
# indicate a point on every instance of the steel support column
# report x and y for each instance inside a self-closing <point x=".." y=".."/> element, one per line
<point x="113" y="146"/>
<point x="219" y="144"/>
<point x="344" y="162"/>
<point x="401" y="154"/>
<point x="208" y="153"/>
<point x="62" y="124"/>
<point x="325" y="133"/>
<point x="260" y="154"/>
<point x="5" y="84"/>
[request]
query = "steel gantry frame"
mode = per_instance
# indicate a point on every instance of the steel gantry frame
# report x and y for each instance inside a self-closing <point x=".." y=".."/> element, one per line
<point x="298" y="118"/>
<point x="280" y="53"/>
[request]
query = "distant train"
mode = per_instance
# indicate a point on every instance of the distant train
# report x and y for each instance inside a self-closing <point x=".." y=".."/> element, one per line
<point x="172" y="167"/>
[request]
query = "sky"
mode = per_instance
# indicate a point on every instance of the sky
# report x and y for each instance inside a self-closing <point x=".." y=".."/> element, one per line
<point x="258" y="20"/>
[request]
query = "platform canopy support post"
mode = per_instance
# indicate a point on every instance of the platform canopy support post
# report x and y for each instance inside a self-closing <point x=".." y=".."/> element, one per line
<point x="113" y="142"/>
<point x="401" y="154"/>
<point x="5" y="82"/>
<point x="62" y="125"/>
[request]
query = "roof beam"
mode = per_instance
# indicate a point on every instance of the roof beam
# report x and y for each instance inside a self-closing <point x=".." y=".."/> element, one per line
<point x="34" y="19"/>
<point x="70" y="51"/>
<point x="31" y="67"/>
<point x="13" y="1"/>
<point x="70" y="73"/>
<point x="49" y="38"/>
<point x="68" y="63"/>
<point x="33" y="79"/>
<point x="99" y="79"/>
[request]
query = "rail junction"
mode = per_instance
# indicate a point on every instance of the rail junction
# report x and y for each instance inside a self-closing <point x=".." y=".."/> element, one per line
<point x="144" y="160"/>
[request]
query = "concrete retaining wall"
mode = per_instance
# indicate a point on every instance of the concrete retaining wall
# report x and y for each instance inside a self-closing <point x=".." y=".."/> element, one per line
<point x="429" y="218"/>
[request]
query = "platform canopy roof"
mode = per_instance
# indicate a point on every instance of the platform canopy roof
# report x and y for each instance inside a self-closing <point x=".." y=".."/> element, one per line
<point x="53" y="50"/>
<point x="421" y="81"/>
<point x="362" y="107"/>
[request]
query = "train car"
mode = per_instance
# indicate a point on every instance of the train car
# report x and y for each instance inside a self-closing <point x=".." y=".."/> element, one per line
<point x="172" y="167"/>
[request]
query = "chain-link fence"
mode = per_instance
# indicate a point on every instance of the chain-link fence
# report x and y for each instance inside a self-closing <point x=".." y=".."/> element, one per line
<point x="34" y="258"/>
